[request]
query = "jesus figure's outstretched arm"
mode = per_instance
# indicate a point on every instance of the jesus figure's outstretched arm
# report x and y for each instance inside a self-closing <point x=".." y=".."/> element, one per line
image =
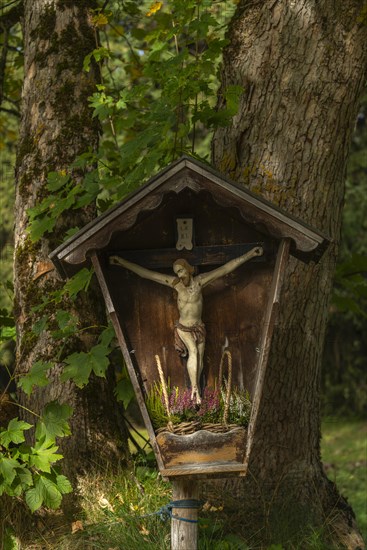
<point x="230" y="266"/>
<point x="142" y="271"/>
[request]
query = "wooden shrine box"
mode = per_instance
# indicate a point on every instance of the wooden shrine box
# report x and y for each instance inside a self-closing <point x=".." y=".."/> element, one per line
<point x="190" y="211"/>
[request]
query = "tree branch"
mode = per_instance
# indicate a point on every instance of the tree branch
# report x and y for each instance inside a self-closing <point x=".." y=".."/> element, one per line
<point x="10" y="111"/>
<point x="11" y="17"/>
<point x="11" y="48"/>
<point x="15" y="102"/>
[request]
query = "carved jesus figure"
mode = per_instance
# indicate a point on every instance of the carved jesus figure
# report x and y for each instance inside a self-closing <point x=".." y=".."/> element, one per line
<point x="189" y="329"/>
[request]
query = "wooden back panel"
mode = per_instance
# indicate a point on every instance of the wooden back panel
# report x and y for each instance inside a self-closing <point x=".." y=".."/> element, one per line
<point x="234" y="306"/>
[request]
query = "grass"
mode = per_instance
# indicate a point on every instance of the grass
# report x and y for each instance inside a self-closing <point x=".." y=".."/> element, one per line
<point x="344" y="453"/>
<point x="116" y="509"/>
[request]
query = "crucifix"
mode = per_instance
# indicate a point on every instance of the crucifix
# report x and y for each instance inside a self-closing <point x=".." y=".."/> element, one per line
<point x="189" y="329"/>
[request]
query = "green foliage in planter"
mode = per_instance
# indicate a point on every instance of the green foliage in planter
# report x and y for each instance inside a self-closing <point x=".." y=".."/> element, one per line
<point x="239" y="407"/>
<point x="155" y="405"/>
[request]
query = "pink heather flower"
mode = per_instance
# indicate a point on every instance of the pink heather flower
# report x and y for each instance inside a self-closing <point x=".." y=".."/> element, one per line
<point x="181" y="402"/>
<point x="210" y="403"/>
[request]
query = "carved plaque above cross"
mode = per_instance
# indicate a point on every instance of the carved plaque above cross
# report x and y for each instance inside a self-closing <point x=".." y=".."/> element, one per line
<point x="185" y="233"/>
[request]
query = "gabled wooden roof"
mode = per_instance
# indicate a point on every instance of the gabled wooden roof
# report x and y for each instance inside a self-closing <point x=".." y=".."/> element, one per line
<point x="188" y="173"/>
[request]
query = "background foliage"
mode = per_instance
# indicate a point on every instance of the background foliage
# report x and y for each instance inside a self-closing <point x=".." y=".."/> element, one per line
<point x="344" y="380"/>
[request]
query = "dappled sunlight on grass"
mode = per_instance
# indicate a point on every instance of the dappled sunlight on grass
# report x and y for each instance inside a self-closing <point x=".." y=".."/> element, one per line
<point x="118" y="510"/>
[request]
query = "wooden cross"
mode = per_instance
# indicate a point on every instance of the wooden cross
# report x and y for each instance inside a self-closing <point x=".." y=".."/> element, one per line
<point x="209" y="255"/>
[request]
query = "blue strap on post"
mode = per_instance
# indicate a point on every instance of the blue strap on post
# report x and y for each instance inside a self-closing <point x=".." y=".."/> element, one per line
<point x="165" y="512"/>
<point x="185" y="503"/>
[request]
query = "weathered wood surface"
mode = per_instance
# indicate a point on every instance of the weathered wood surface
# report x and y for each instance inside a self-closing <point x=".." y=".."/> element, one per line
<point x="205" y="471"/>
<point x="233" y="306"/>
<point x="198" y="256"/>
<point x="144" y="313"/>
<point x="131" y="367"/>
<point x="270" y="320"/>
<point x="202" y="447"/>
<point x="184" y="535"/>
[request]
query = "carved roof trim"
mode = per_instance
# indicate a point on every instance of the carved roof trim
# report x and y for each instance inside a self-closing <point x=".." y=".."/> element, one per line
<point x="307" y="243"/>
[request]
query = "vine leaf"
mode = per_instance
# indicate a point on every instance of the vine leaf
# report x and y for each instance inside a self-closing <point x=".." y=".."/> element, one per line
<point x="34" y="497"/>
<point x="63" y="484"/>
<point x="40" y="226"/>
<point x="57" y="180"/>
<point x="51" y="495"/>
<point x="44" y="454"/>
<point x="80" y="365"/>
<point x="36" y="377"/>
<point x="79" y="282"/>
<point x="8" y="469"/>
<point x="24" y="474"/>
<point x="47" y="491"/>
<point x="15" y="432"/>
<point x="54" y="421"/>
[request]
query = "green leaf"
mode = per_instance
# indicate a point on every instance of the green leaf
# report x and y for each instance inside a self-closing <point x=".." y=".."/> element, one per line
<point x="66" y="322"/>
<point x="101" y="53"/>
<point x="79" y="282"/>
<point x="50" y="492"/>
<point x="34" y="497"/>
<point x="356" y="264"/>
<point x="99" y="360"/>
<point x="62" y="318"/>
<point x="6" y="319"/>
<point x="78" y="368"/>
<point x="22" y="453"/>
<point x="57" y="180"/>
<point x="232" y="95"/>
<point x="8" y="469"/>
<point x="44" y="455"/>
<point x="25" y="475"/>
<point x="124" y="391"/>
<point x="107" y="335"/>
<point x="40" y="325"/>
<point x="98" y="54"/>
<point x="40" y="226"/>
<point x="15" y="432"/>
<point x="54" y="421"/>
<point x="71" y="232"/>
<point x="15" y="490"/>
<point x="11" y="541"/>
<point x="63" y="484"/>
<point x="87" y="62"/>
<point x="46" y="492"/>
<point x="37" y="376"/>
<point x="347" y="303"/>
<point x="8" y="333"/>
<point x="41" y="208"/>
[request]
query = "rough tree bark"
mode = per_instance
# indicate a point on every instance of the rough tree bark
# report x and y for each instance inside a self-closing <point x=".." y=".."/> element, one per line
<point x="56" y="126"/>
<point x="303" y="67"/>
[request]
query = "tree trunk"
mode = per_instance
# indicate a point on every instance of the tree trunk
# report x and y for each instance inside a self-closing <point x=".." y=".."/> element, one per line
<point x="56" y="126"/>
<point x="303" y="67"/>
